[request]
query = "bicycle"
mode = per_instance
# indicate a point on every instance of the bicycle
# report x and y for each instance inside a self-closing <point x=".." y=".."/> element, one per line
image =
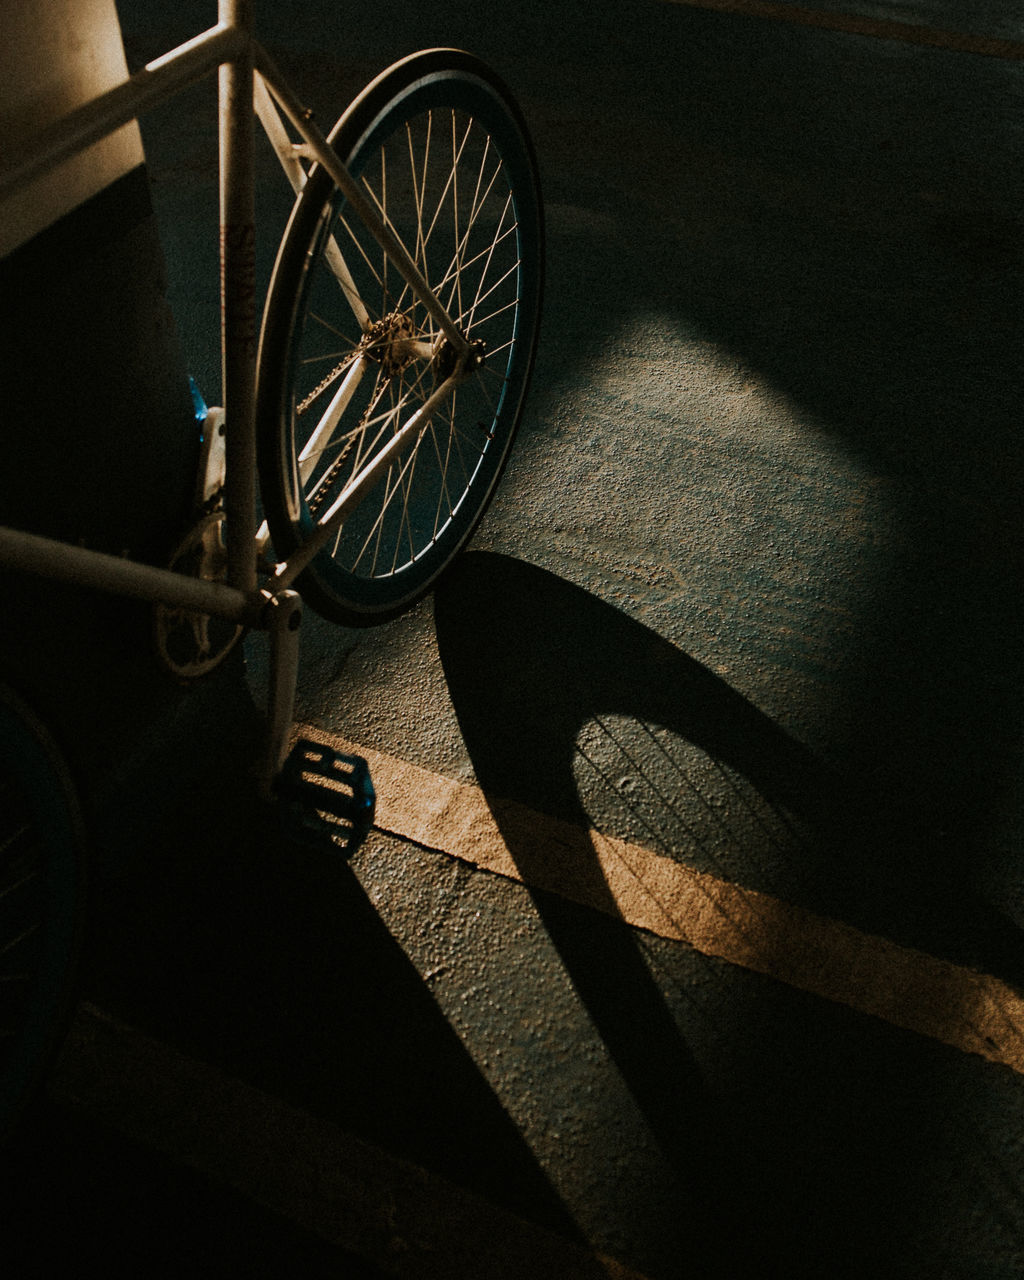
<point x="379" y="404"/>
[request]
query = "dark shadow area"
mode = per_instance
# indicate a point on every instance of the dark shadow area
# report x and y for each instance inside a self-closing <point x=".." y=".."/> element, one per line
<point x="215" y="932"/>
<point x="100" y="448"/>
<point x="77" y="1196"/>
<point x="530" y="660"/>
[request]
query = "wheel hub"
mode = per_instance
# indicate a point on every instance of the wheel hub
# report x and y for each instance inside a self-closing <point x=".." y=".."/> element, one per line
<point x="446" y="361"/>
<point x="390" y="342"/>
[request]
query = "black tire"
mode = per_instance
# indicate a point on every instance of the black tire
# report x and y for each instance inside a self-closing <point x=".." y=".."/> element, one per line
<point x="436" y="117"/>
<point x="41" y="905"/>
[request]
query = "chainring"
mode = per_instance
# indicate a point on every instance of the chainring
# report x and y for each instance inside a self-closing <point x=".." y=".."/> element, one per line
<point x="191" y="644"/>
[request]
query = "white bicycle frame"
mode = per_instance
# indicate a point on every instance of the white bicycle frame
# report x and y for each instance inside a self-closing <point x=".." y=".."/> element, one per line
<point x="249" y="85"/>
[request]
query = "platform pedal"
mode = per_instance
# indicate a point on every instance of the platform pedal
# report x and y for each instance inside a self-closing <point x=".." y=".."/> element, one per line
<point x="324" y="793"/>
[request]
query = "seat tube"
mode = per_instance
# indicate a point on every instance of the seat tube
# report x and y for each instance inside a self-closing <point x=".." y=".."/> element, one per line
<point x="238" y="302"/>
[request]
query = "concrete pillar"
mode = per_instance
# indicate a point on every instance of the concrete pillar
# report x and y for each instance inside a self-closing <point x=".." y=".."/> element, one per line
<point x="97" y="439"/>
<point x="98" y="443"/>
<point x="55" y="57"/>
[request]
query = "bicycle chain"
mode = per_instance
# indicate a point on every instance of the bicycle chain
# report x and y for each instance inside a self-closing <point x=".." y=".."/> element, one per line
<point x="378" y="333"/>
<point x="331" y="377"/>
<point x="317" y="500"/>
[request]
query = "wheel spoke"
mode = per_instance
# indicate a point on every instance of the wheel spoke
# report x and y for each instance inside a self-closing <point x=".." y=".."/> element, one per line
<point x="483" y="254"/>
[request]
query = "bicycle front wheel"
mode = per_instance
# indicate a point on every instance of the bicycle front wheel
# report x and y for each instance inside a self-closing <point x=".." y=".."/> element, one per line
<point x="348" y="353"/>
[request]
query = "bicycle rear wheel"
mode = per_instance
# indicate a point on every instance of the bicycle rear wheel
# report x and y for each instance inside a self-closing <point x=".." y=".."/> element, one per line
<point x="41" y="895"/>
<point x="348" y="354"/>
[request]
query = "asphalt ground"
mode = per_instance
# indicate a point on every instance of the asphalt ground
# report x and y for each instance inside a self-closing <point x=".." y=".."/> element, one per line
<point x="748" y="600"/>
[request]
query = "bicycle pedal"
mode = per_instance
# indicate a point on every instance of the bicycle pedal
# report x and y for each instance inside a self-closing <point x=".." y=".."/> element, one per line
<point x="325" y="793"/>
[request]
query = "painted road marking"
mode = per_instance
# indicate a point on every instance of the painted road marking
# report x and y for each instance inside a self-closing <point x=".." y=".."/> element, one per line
<point x="409" y="1222"/>
<point x="970" y="1011"/>
<point x="857" y="25"/>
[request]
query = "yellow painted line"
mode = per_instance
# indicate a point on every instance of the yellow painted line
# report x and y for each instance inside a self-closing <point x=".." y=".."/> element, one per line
<point x="858" y="25"/>
<point x="409" y="1222"/>
<point x="970" y="1011"/>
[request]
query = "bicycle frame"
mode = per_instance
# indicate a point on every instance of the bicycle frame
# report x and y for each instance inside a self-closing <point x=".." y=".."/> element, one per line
<point x="249" y="85"/>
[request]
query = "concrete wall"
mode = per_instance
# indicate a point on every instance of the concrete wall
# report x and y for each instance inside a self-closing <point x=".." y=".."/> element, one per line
<point x="54" y="57"/>
<point x="98" y="440"/>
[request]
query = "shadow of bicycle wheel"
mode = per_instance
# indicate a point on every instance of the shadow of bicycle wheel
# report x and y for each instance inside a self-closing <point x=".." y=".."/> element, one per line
<point x="548" y="682"/>
<point x="569" y="707"/>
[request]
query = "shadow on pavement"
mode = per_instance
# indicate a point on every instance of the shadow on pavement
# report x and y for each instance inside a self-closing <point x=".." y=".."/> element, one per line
<point x="77" y="1195"/>
<point x="530" y="660"/>
<point x="216" y="933"/>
